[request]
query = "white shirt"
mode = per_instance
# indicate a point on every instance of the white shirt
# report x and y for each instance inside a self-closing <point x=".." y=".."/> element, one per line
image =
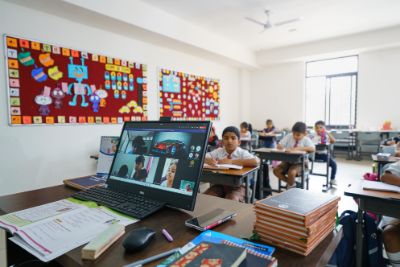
<point x="289" y="142"/>
<point x="239" y="153"/>
<point x="245" y="136"/>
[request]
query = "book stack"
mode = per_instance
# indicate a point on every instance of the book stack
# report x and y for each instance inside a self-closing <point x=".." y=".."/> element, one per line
<point x="296" y="220"/>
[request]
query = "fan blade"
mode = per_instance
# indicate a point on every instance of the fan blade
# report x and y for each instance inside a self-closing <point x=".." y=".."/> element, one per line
<point x="255" y="21"/>
<point x="287" y="21"/>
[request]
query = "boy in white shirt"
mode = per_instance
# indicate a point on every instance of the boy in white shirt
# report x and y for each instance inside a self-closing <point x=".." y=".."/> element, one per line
<point x="230" y="153"/>
<point x="296" y="141"/>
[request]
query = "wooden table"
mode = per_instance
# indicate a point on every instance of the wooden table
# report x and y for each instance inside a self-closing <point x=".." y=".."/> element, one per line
<point x="173" y="221"/>
<point x="233" y="178"/>
<point x="384" y="203"/>
<point x="381" y="163"/>
<point x="281" y="155"/>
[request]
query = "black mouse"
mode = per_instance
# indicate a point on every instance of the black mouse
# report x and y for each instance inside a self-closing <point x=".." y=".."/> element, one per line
<point x="138" y="239"/>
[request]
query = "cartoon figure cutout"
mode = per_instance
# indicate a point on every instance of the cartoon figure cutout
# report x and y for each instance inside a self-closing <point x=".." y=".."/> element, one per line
<point x="44" y="100"/>
<point x="79" y="73"/>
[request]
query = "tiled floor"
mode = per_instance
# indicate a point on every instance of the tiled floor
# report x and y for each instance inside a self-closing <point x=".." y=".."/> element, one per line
<point x="347" y="172"/>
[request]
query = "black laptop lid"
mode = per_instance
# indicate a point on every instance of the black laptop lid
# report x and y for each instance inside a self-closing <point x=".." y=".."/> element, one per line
<point x="161" y="160"/>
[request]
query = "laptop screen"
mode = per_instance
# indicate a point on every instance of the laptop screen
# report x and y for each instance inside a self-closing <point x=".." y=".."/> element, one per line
<point x="162" y="160"/>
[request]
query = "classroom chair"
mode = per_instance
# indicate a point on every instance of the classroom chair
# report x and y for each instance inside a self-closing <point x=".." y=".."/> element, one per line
<point x="263" y="187"/>
<point x="322" y="148"/>
<point x="298" y="181"/>
<point x="367" y="142"/>
<point x="344" y="139"/>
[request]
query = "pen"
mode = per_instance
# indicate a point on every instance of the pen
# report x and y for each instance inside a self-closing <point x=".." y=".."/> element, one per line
<point x="167" y="235"/>
<point x="152" y="258"/>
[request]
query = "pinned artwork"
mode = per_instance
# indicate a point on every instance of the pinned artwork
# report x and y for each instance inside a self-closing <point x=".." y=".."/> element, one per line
<point x="49" y="84"/>
<point x="188" y="97"/>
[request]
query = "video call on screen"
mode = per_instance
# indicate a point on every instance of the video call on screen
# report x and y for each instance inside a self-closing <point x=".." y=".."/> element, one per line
<point x="160" y="157"/>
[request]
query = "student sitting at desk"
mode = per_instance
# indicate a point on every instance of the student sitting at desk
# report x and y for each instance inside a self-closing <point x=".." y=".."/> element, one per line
<point x="269" y="134"/>
<point x="296" y="141"/>
<point x="245" y="135"/>
<point x="322" y="136"/>
<point x="230" y="153"/>
<point x="140" y="172"/>
<point x="391" y="226"/>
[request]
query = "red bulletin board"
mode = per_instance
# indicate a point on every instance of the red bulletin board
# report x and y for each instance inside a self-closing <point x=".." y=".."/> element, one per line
<point x="49" y="84"/>
<point x="188" y="97"/>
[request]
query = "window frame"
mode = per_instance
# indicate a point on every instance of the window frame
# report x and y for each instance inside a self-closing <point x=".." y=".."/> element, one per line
<point x="329" y="76"/>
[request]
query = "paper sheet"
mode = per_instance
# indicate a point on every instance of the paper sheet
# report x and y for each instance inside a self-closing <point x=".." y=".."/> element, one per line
<point x="60" y="226"/>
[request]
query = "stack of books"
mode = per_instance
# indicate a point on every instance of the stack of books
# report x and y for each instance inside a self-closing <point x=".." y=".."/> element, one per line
<point x="296" y="220"/>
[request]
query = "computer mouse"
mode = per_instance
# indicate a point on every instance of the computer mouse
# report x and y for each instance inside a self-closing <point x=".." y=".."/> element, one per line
<point x="138" y="239"/>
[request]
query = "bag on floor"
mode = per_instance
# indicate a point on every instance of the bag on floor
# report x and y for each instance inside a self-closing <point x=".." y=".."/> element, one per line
<point x="345" y="253"/>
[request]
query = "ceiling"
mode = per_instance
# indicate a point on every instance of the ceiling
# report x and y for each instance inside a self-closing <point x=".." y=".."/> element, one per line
<point x="321" y="19"/>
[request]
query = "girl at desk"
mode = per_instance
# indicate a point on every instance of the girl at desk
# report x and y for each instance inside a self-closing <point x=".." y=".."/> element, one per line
<point x="230" y="153"/>
<point x="269" y="134"/>
<point x="245" y="135"/>
<point x="391" y="226"/>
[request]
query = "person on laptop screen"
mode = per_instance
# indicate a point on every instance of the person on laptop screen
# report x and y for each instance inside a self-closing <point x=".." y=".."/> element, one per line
<point x="140" y="172"/>
<point x="168" y="179"/>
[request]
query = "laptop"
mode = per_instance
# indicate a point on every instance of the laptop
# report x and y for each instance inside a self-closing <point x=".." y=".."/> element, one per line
<point x="157" y="164"/>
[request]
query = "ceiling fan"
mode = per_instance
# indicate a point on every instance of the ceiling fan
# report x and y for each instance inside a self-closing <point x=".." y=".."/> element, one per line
<point x="267" y="24"/>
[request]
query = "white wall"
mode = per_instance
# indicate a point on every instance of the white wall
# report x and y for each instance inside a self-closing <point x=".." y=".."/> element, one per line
<point x="39" y="156"/>
<point x="277" y="93"/>
<point x="379" y="88"/>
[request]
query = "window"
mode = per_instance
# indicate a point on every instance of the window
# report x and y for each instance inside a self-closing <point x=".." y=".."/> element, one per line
<point x="331" y="91"/>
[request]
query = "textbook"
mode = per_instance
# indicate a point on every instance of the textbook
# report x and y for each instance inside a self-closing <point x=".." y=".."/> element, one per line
<point x="50" y="230"/>
<point x="211" y="254"/>
<point x="297" y="220"/>
<point x="222" y="166"/>
<point x="255" y="252"/>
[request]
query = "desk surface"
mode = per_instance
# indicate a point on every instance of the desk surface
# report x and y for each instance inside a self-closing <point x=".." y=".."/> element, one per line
<point x="278" y="151"/>
<point x="391" y="159"/>
<point x="356" y="190"/>
<point x="173" y="220"/>
<point x="232" y="172"/>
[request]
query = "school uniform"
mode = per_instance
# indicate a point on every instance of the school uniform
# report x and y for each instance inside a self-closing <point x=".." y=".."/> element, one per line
<point x="323" y="155"/>
<point x="225" y="191"/>
<point x="288" y="142"/>
<point x="269" y="141"/>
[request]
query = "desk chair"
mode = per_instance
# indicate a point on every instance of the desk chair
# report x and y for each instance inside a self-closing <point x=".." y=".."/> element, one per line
<point x="322" y="148"/>
<point x="344" y="139"/>
<point x="367" y="142"/>
<point x="297" y="181"/>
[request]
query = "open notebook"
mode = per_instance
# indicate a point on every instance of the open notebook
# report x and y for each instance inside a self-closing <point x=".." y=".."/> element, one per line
<point x="379" y="186"/>
<point x="108" y="147"/>
<point x="222" y="166"/>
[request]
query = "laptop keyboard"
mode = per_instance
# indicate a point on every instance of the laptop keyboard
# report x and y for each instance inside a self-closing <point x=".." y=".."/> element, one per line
<point x="130" y="204"/>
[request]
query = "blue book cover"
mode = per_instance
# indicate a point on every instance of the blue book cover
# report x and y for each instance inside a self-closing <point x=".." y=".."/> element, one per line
<point x="263" y="251"/>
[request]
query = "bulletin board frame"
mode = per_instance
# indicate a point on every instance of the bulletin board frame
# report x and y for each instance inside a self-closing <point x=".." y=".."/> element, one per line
<point x="137" y="105"/>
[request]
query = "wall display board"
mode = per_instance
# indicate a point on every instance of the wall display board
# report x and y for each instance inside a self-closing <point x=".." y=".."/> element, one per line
<point x="188" y="97"/>
<point x="50" y="84"/>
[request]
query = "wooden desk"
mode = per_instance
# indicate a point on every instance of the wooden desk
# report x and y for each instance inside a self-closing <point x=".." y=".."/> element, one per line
<point x="381" y="163"/>
<point x="384" y="203"/>
<point x="281" y="155"/>
<point x="233" y="178"/>
<point x="173" y="221"/>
